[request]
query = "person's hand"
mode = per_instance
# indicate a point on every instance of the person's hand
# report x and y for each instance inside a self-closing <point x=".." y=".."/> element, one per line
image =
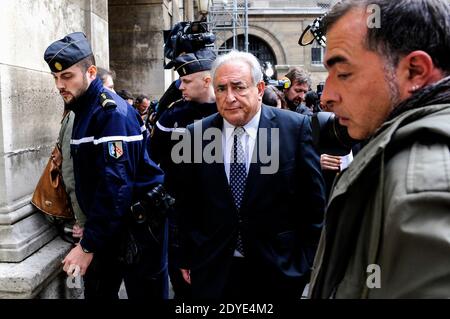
<point x="186" y="275"/>
<point x="152" y="118"/>
<point x="77" y="261"/>
<point x="77" y="231"/>
<point x="330" y="162"/>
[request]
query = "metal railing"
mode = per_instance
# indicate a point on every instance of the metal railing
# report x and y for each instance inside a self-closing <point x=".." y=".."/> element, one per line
<point x="228" y="19"/>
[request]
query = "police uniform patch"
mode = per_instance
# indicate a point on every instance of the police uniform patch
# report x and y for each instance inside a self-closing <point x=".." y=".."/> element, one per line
<point x="115" y="149"/>
<point x="106" y="101"/>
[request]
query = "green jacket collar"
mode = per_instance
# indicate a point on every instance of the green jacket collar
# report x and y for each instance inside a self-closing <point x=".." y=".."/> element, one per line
<point x="396" y="129"/>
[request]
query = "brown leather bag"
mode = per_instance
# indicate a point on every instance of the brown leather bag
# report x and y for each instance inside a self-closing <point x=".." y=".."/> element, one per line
<point x="50" y="195"/>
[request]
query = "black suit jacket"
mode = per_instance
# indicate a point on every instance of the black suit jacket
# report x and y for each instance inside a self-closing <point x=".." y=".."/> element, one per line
<point x="282" y="212"/>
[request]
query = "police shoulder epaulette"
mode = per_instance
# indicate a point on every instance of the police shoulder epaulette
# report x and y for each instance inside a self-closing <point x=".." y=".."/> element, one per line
<point x="174" y="103"/>
<point x="106" y="101"/>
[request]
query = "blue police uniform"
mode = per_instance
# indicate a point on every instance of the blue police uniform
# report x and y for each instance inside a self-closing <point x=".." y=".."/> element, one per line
<point x="111" y="165"/>
<point x="112" y="170"/>
<point x="175" y="119"/>
<point x="180" y="113"/>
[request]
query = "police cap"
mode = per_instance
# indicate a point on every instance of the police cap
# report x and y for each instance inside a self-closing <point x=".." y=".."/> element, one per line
<point x="64" y="53"/>
<point x="189" y="63"/>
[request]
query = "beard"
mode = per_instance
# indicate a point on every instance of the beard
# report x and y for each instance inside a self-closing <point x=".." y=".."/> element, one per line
<point x="72" y="103"/>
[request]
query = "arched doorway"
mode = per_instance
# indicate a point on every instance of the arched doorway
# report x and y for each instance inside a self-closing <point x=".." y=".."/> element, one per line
<point x="256" y="46"/>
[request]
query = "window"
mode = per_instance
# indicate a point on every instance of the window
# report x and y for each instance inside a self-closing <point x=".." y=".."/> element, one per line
<point x="257" y="46"/>
<point x="316" y="54"/>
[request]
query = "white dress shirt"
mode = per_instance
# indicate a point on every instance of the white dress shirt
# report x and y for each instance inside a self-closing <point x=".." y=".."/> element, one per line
<point x="248" y="141"/>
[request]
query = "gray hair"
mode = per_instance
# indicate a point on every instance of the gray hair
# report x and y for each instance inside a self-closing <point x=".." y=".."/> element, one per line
<point x="103" y="73"/>
<point x="405" y="26"/>
<point x="234" y="56"/>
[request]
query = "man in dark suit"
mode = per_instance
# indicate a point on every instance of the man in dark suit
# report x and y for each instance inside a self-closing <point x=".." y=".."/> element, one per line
<point x="249" y="229"/>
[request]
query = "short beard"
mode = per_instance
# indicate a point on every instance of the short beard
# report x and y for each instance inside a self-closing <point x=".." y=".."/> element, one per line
<point x="71" y="105"/>
<point x="74" y="102"/>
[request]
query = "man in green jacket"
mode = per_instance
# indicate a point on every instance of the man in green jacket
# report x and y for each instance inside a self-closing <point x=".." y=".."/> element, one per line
<point x="387" y="227"/>
<point x="65" y="135"/>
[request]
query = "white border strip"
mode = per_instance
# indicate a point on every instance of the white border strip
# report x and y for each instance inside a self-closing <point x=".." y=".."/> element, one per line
<point x="105" y="139"/>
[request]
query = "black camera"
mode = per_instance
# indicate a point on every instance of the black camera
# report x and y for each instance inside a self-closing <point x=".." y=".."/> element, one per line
<point x="187" y="37"/>
<point x="153" y="106"/>
<point x="330" y="137"/>
<point x="148" y="216"/>
<point x="153" y="208"/>
<point x="320" y="88"/>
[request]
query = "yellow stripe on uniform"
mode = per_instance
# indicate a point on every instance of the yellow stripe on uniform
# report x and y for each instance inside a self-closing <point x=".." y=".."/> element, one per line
<point x="173" y="103"/>
<point x="107" y="101"/>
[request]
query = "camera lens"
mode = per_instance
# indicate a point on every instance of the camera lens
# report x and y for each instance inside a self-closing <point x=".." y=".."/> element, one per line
<point x="329" y="137"/>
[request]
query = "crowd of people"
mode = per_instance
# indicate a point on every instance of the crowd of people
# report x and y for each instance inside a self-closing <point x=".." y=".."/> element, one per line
<point x="254" y="214"/>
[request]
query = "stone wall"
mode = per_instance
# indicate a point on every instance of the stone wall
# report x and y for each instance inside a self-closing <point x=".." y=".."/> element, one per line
<point x="282" y="33"/>
<point x="136" y="43"/>
<point x="30" y="111"/>
<point x="280" y="24"/>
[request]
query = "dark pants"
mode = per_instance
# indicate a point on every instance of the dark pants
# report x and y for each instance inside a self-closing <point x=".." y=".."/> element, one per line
<point x="181" y="289"/>
<point x="103" y="277"/>
<point x="147" y="278"/>
<point x="247" y="282"/>
<point x="142" y="285"/>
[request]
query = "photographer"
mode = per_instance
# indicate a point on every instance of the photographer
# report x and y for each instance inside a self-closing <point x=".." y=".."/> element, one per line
<point x="334" y="144"/>
<point x="300" y="85"/>
<point x="142" y="104"/>
<point x="387" y="225"/>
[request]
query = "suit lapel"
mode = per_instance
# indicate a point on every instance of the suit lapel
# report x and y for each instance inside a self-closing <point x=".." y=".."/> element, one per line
<point x="216" y="171"/>
<point x="252" y="186"/>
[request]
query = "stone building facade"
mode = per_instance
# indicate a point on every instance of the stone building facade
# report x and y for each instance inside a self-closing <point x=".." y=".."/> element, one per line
<point x="136" y="39"/>
<point x="30" y="113"/>
<point x="276" y="26"/>
<point x="126" y="36"/>
<point x="280" y="24"/>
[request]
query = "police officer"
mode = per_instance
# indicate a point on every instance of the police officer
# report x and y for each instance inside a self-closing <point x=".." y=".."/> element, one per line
<point x="112" y="170"/>
<point x="198" y="102"/>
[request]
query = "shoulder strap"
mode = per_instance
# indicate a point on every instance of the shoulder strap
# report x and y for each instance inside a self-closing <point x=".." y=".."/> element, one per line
<point x="174" y="103"/>
<point x="106" y="101"/>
